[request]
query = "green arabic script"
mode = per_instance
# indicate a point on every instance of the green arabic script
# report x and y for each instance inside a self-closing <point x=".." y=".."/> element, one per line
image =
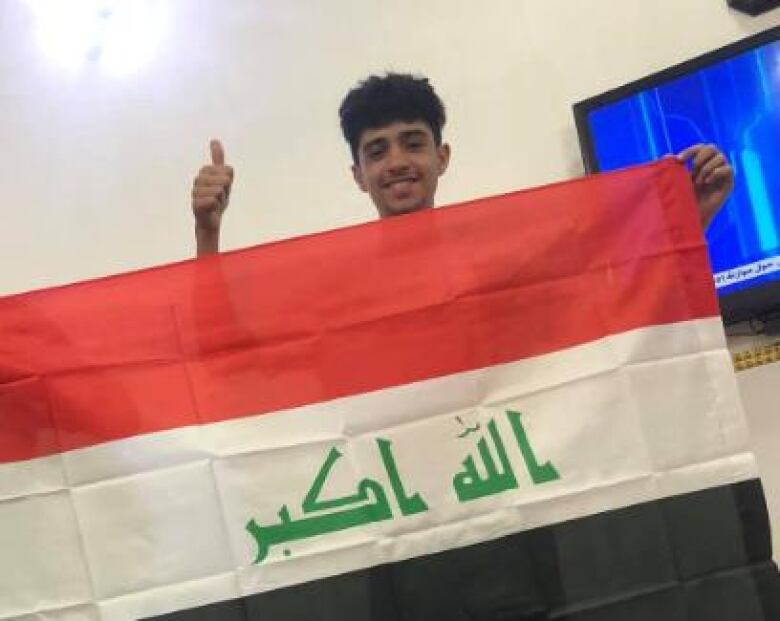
<point x="369" y="504"/>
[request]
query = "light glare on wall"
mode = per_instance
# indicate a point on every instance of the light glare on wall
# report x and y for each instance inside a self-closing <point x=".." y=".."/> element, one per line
<point x="117" y="36"/>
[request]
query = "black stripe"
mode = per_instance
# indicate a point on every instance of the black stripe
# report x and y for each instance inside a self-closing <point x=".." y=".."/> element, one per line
<point x="704" y="556"/>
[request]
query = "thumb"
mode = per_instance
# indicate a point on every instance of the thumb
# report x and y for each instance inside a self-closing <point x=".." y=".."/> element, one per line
<point x="217" y="153"/>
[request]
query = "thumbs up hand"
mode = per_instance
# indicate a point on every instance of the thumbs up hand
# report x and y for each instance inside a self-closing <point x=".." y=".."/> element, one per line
<point x="210" y="196"/>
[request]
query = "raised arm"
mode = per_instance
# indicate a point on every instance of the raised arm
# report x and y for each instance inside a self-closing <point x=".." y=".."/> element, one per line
<point x="210" y="197"/>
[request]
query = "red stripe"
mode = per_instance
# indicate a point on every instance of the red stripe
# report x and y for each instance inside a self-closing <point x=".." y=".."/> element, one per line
<point x="348" y="311"/>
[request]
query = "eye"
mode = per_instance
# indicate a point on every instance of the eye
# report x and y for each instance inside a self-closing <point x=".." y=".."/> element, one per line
<point x="375" y="152"/>
<point x="415" y="142"/>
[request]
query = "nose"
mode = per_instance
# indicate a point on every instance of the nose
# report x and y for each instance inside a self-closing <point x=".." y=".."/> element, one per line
<point x="398" y="159"/>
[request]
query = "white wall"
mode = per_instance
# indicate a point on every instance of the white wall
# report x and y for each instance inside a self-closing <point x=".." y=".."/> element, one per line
<point x="99" y="151"/>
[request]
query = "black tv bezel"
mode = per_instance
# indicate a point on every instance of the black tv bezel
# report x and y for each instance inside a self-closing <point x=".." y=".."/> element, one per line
<point x="754" y="302"/>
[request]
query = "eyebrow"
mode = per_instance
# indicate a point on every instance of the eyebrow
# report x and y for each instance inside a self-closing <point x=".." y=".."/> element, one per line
<point x="404" y="135"/>
<point x="413" y="133"/>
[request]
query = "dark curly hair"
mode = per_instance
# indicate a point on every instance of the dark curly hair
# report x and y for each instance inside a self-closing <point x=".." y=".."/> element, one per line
<point x="380" y="100"/>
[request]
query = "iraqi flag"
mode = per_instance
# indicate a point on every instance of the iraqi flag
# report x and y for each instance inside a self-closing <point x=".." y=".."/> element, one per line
<point x="516" y="408"/>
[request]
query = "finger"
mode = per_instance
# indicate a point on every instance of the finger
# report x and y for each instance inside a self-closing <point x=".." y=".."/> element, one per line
<point x="210" y="169"/>
<point x="209" y="191"/>
<point x="704" y="155"/>
<point x="697" y="156"/>
<point x="211" y="179"/>
<point x="721" y="176"/>
<point x="217" y="153"/>
<point x="709" y="166"/>
<point x="704" y="159"/>
<point x="686" y="154"/>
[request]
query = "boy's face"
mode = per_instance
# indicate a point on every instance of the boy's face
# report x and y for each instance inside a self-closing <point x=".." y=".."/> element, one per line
<point x="399" y="166"/>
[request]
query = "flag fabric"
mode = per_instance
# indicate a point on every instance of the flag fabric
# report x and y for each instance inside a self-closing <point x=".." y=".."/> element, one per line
<point x="516" y="408"/>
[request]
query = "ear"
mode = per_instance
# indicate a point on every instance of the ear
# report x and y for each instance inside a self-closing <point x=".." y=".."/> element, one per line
<point x="443" y="152"/>
<point x="357" y="175"/>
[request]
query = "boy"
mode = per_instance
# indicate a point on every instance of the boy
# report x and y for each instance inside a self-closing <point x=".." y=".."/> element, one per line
<point x="393" y="124"/>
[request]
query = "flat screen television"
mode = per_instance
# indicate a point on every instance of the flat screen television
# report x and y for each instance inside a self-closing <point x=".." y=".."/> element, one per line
<point x="729" y="97"/>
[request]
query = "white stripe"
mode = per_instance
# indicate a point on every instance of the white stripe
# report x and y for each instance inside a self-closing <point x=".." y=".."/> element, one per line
<point x="154" y="523"/>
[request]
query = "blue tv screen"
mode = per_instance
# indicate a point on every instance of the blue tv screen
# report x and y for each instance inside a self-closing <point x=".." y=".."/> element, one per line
<point x="731" y="98"/>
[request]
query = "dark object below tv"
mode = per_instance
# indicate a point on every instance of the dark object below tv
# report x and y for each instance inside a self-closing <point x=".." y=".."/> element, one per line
<point x="754" y="7"/>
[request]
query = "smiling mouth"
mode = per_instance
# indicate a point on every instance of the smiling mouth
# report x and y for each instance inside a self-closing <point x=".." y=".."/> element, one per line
<point x="396" y="182"/>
